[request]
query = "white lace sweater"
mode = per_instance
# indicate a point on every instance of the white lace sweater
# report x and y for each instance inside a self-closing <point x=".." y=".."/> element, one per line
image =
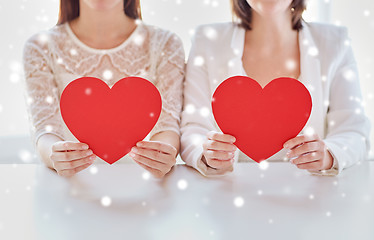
<point x="54" y="58"/>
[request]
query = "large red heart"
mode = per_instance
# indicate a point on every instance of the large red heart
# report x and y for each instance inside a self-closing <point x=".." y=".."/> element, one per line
<point x="261" y="120"/>
<point x="110" y="121"/>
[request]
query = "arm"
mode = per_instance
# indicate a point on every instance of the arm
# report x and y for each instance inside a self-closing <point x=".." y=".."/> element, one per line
<point x="66" y="158"/>
<point x="347" y="127"/>
<point x="197" y="148"/>
<point x="158" y="155"/>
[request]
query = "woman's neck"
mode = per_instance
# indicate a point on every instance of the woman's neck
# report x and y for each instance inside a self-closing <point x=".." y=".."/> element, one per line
<point x="271" y="32"/>
<point x="102" y="29"/>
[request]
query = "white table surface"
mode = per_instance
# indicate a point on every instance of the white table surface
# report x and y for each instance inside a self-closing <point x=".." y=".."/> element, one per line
<point x="279" y="202"/>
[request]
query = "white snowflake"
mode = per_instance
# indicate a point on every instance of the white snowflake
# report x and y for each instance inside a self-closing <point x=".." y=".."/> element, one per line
<point x="231" y="63"/>
<point x="49" y="99"/>
<point x="146" y="175"/>
<point x="366" y="13"/>
<point x="88" y="91"/>
<point x="328" y="214"/>
<point x="196" y="139"/>
<point x="93" y="170"/>
<point x="204" y="111"/>
<point x="138" y="39"/>
<point x="73" y="52"/>
<point x="313" y="51"/>
<point x="14" y="77"/>
<point x="43" y="38"/>
<point x="311" y="196"/>
<point x="210" y="33"/>
<point x="49" y="128"/>
<point x="107" y="74"/>
<point x="182" y="184"/>
<point x="1" y="108"/>
<point x="190" y="109"/>
<point x="106" y="201"/>
<point x="309" y="131"/>
<point x="263" y="165"/>
<point x="259" y="192"/>
<point x="238" y="202"/>
<point x="198" y="61"/>
<point x="290" y="64"/>
<point x="191" y="32"/>
<point x="25" y="156"/>
<point x="349" y="75"/>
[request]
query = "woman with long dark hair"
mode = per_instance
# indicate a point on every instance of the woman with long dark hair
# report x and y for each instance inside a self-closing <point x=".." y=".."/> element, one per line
<point x="269" y="39"/>
<point x="104" y="39"/>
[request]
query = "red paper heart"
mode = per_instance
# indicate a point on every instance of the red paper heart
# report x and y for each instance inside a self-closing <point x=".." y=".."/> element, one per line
<point x="110" y="121"/>
<point x="261" y="120"/>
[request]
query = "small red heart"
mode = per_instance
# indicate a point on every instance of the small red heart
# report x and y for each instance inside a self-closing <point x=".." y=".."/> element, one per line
<point x="110" y="120"/>
<point x="261" y="120"/>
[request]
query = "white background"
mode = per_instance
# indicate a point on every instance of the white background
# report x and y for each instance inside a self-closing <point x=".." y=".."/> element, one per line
<point x="19" y="19"/>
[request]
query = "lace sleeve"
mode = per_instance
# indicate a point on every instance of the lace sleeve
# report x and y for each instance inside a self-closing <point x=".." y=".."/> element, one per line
<point x="41" y="90"/>
<point x="170" y="75"/>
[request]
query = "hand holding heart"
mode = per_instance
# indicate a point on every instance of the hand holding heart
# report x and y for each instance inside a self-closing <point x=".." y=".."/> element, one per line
<point x="69" y="158"/>
<point x="309" y="152"/>
<point x="219" y="150"/>
<point x="154" y="156"/>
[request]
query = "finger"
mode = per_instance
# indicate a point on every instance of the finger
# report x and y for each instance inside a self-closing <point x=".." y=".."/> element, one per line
<point x="304" y="148"/>
<point x="226" y="138"/>
<point x="159" y="146"/>
<point x="218" y="155"/>
<point x="306" y="158"/>
<point x="292" y="143"/>
<point x="65" y="146"/>
<point x="154" y="172"/>
<point x="219" y="164"/>
<point x="69" y="156"/>
<point x="62" y="165"/>
<point x="72" y="172"/>
<point x="149" y="162"/>
<point x="153" y="154"/>
<point x="219" y="146"/>
<point x="313" y="166"/>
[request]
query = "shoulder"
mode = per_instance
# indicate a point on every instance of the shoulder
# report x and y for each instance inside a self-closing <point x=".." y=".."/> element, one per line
<point x="327" y="31"/>
<point x="215" y="32"/>
<point x="41" y="40"/>
<point x="160" y="36"/>
<point x="331" y="41"/>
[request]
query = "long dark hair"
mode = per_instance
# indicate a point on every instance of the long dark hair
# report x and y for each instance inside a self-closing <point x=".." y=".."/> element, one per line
<point x="69" y="10"/>
<point x="242" y="10"/>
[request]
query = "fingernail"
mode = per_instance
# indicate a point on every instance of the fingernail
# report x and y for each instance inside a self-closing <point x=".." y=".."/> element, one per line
<point x="234" y="139"/>
<point x="85" y="147"/>
<point x="92" y="157"/>
<point x="132" y="154"/>
<point x="89" y="152"/>
<point x="134" y="149"/>
<point x="139" y="144"/>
